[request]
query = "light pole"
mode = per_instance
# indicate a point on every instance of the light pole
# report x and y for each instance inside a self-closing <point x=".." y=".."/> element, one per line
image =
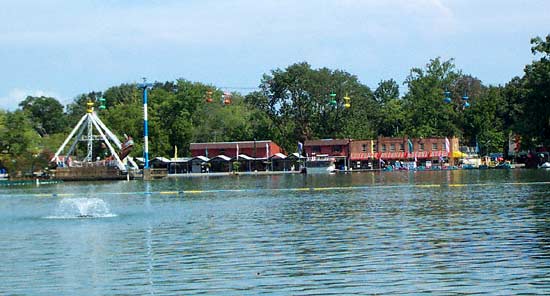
<point x="144" y="87"/>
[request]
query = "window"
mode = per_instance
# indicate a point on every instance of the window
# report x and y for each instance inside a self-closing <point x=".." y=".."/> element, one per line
<point x="434" y="146"/>
<point x="364" y="147"/>
<point x="337" y="148"/>
<point x="383" y="147"/>
<point x="421" y="148"/>
<point x="316" y="149"/>
<point x="401" y="147"/>
<point x="392" y="147"/>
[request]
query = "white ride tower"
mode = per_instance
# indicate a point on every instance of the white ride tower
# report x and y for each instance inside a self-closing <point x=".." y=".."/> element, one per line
<point x="88" y="123"/>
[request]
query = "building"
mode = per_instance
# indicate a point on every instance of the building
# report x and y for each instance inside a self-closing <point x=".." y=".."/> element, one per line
<point x="242" y="155"/>
<point x="362" y="154"/>
<point x="327" y="150"/>
<point x="342" y="153"/>
<point x="255" y="149"/>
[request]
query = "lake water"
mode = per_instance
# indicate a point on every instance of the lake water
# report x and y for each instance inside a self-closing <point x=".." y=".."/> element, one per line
<point x="386" y="233"/>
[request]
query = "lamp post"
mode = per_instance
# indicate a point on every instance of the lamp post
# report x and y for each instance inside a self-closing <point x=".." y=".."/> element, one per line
<point x="144" y="87"/>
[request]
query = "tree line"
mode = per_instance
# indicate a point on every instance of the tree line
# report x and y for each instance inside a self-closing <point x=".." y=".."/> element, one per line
<point x="299" y="103"/>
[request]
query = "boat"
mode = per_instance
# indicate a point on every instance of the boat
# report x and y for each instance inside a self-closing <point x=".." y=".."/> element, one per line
<point x="545" y="165"/>
<point x="504" y="165"/>
<point x="3" y="174"/>
<point x="109" y="162"/>
<point x="320" y="164"/>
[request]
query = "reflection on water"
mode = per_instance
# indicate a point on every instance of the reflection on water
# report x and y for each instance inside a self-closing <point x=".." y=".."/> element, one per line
<point x="460" y="232"/>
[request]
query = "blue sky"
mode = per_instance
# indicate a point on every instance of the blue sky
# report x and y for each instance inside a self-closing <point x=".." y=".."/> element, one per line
<point x="63" y="48"/>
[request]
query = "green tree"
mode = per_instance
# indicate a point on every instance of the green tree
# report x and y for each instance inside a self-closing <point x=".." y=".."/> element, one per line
<point x="299" y="104"/>
<point x="19" y="142"/>
<point x="391" y="118"/>
<point x="534" y="95"/>
<point x="46" y="114"/>
<point x="386" y="91"/>
<point x="427" y="116"/>
<point x="484" y="123"/>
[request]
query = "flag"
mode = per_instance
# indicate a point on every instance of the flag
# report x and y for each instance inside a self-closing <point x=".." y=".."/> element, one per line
<point x="477" y="147"/>
<point x="415" y="159"/>
<point x="411" y="147"/>
<point x="175" y="152"/>
<point x="300" y="148"/>
<point x="372" y="146"/>
<point x="237" y="151"/>
<point x="447" y="145"/>
<point x="206" y="152"/>
<point x="267" y="150"/>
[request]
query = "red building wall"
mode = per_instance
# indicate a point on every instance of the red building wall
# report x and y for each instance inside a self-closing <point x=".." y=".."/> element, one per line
<point x="256" y="149"/>
<point x="331" y="147"/>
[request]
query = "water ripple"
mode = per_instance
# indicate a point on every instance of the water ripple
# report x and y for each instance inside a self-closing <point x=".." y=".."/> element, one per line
<point x="380" y="240"/>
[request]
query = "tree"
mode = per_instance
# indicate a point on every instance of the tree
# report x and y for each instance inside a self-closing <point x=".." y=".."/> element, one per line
<point x="426" y="115"/>
<point x="19" y="142"/>
<point x="304" y="103"/>
<point x="391" y="117"/>
<point x="46" y="114"/>
<point x="386" y="91"/>
<point x="534" y="95"/>
<point x="484" y="123"/>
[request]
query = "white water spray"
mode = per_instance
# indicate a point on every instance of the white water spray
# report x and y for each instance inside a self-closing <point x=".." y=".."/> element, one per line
<point x="71" y="208"/>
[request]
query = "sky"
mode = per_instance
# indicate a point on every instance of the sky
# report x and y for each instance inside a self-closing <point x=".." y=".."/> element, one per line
<point x="63" y="48"/>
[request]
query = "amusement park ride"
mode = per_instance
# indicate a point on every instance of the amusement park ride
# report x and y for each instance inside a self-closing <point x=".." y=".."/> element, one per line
<point x="447" y="99"/>
<point x="334" y="103"/>
<point x="89" y="130"/>
<point x="226" y="97"/>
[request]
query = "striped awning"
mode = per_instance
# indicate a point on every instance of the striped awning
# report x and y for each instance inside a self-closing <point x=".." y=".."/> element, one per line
<point x="398" y="155"/>
<point x="431" y="154"/>
<point x="439" y="153"/>
<point x="394" y="155"/>
<point x="362" y="155"/>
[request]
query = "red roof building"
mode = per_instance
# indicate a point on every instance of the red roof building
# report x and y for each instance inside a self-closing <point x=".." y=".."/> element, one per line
<point x="328" y="147"/>
<point x="254" y="149"/>
<point x="403" y="148"/>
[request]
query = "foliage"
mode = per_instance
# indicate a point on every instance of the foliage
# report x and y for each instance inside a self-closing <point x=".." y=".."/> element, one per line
<point x="391" y="117"/>
<point x="484" y="123"/>
<point x="19" y="141"/>
<point x="45" y="113"/>
<point x="534" y="95"/>
<point x="426" y="115"/>
<point x="297" y="100"/>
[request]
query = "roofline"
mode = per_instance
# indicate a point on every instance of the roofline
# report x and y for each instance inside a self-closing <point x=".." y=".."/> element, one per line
<point x="236" y="142"/>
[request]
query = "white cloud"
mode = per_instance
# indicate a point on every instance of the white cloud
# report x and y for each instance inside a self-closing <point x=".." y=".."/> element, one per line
<point x="15" y="96"/>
